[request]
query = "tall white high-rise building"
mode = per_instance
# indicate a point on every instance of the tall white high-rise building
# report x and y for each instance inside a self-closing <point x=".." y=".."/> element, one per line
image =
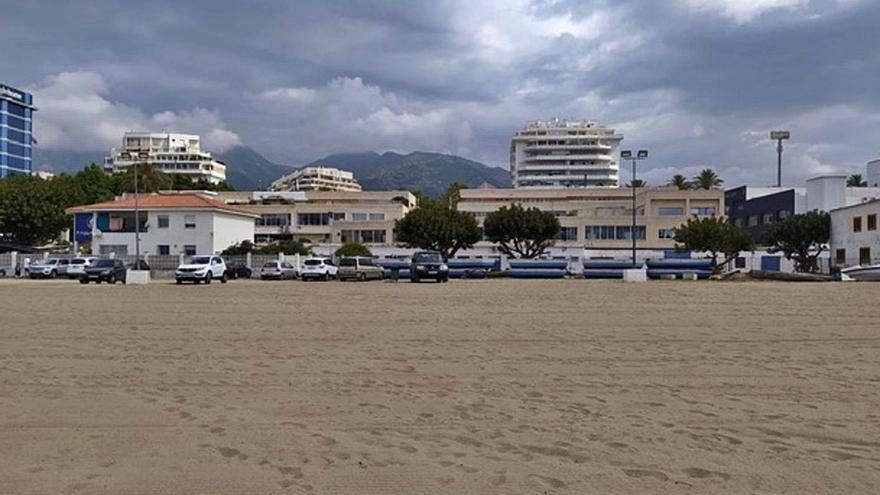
<point x="564" y="153"/>
<point x="170" y="153"/>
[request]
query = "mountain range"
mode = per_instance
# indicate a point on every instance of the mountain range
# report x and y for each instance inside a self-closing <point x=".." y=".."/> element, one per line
<point x="247" y="170"/>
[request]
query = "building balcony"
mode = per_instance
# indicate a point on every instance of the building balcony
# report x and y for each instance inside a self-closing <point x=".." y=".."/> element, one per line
<point x="552" y="147"/>
<point x="551" y="158"/>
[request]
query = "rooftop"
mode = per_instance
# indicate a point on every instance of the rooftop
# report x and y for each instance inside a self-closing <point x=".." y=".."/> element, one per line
<point x="160" y="201"/>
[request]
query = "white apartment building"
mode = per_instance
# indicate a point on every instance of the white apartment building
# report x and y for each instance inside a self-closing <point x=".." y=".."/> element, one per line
<point x="170" y="153"/>
<point x="564" y="153"/>
<point x="171" y="223"/>
<point x="855" y="236"/>
<point x="873" y="175"/>
<point x="317" y="179"/>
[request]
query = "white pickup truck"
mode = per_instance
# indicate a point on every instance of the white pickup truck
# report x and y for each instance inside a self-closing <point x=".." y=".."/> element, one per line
<point x="201" y="268"/>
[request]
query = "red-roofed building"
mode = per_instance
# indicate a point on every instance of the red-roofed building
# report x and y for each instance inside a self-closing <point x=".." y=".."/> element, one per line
<point x="170" y="223"/>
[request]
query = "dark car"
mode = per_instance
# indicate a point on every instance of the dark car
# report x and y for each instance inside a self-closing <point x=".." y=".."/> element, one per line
<point x="110" y="271"/>
<point x="237" y="269"/>
<point x="141" y="265"/>
<point x="428" y="264"/>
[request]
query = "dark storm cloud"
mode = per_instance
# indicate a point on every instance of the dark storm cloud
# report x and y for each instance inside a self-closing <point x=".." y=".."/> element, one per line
<point x="699" y="81"/>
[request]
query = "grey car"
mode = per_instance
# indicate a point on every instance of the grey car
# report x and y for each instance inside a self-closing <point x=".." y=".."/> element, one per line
<point x="358" y="268"/>
<point x="49" y="268"/>
<point x="278" y="270"/>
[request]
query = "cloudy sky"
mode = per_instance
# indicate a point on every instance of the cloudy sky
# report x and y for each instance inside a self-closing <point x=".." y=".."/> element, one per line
<point x="697" y="82"/>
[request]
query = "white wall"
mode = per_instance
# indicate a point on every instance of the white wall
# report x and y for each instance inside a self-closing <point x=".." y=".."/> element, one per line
<point x="231" y="229"/>
<point x="873" y="175"/>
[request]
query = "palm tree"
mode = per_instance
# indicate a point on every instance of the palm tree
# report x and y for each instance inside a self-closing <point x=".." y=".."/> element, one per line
<point x="707" y="179"/>
<point x="637" y="183"/>
<point x="855" y="180"/>
<point x="680" y="182"/>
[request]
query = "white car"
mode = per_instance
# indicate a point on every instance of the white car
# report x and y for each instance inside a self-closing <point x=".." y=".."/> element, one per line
<point x="78" y="265"/>
<point x="49" y="268"/>
<point x="318" y="269"/>
<point x="201" y="268"/>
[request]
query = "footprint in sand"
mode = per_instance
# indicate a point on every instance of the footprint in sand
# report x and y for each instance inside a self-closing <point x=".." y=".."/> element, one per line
<point x="705" y="473"/>
<point x="548" y="481"/>
<point x="646" y="473"/>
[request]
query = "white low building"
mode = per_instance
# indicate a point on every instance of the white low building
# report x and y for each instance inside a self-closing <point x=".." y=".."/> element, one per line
<point x="170" y="224"/>
<point x="317" y="179"/>
<point x="170" y="153"/>
<point x="855" y="238"/>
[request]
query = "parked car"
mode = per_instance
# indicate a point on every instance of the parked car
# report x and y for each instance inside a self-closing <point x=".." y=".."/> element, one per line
<point x="237" y="269"/>
<point x="358" y="268"/>
<point x="318" y="269"/>
<point x="428" y="264"/>
<point x="49" y="268"/>
<point x="279" y="270"/>
<point x="110" y="271"/>
<point x="78" y="265"/>
<point x="141" y="265"/>
<point x="201" y="268"/>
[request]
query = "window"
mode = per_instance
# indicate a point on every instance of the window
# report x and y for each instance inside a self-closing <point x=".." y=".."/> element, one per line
<point x="377" y="217"/>
<point x="189" y="249"/>
<point x="117" y="249"/>
<point x="373" y="236"/>
<point x="703" y="212"/>
<point x="739" y="222"/>
<point x="338" y="216"/>
<point x="189" y="221"/>
<point x="273" y="220"/>
<point x="359" y="217"/>
<point x="768" y="218"/>
<point x="623" y="232"/>
<point x="668" y="211"/>
<point x="865" y="256"/>
<point x="163" y="221"/>
<point x="857" y="224"/>
<point x="666" y="234"/>
<point x="840" y="256"/>
<point x="740" y="262"/>
<point x="163" y="249"/>
<point x="753" y="220"/>
<point x="783" y="213"/>
<point x="313" y="218"/>
<point x="872" y="221"/>
<point x="613" y="232"/>
<point x="567" y="234"/>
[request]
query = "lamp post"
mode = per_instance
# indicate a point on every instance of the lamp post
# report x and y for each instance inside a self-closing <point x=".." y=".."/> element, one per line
<point x="628" y="155"/>
<point x="141" y="155"/>
<point x="779" y="136"/>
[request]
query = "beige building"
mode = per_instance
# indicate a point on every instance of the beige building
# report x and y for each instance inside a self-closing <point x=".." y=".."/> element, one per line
<point x="324" y="217"/>
<point x="317" y="179"/>
<point x="601" y="218"/>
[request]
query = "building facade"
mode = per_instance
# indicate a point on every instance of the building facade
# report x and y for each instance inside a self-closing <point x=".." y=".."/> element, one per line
<point x="855" y="237"/>
<point x="873" y="175"/>
<point x="317" y="179"/>
<point x="170" y="153"/>
<point x="170" y="224"/>
<point x="324" y="217"/>
<point x="600" y="219"/>
<point x="564" y="154"/>
<point x="16" y="127"/>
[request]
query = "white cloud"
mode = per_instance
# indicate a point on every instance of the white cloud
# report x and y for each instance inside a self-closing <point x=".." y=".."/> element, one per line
<point x="743" y="11"/>
<point x="75" y="113"/>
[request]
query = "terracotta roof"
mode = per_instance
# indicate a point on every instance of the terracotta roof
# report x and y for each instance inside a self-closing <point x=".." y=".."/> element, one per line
<point x="163" y="201"/>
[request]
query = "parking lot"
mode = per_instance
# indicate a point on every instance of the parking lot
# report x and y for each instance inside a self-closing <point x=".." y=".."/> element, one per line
<point x="475" y="386"/>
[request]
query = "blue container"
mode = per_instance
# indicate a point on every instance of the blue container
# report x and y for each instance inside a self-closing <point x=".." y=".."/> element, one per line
<point x="610" y="265"/>
<point x="539" y="264"/>
<point x="700" y="264"/>
<point x="603" y="274"/>
<point x="537" y="273"/>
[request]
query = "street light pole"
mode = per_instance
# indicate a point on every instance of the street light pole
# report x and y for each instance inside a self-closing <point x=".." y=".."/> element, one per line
<point x="628" y="155"/>
<point x="779" y="136"/>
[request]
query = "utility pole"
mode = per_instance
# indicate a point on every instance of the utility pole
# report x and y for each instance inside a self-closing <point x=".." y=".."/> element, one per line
<point x="779" y="136"/>
<point x="628" y="155"/>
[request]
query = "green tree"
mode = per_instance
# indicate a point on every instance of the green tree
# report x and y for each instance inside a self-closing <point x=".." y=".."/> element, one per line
<point x="525" y="233"/>
<point x="637" y="183"/>
<point x="95" y="184"/>
<point x="679" y="181"/>
<point x="707" y="179"/>
<point x="452" y="195"/>
<point x="238" y="249"/>
<point x="438" y="228"/>
<point x="855" y="180"/>
<point x="353" y="249"/>
<point x="715" y="236"/>
<point x="800" y="238"/>
<point x="32" y="208"/>
<point x="150" y="180"/>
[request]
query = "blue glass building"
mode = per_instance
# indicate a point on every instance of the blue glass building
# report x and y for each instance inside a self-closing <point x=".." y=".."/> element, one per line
<point x="16" y="111"/>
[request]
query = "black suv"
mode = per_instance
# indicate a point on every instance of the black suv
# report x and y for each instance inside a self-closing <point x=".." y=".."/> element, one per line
<point x="109" y="271"/>
<point x="428" y="264"/>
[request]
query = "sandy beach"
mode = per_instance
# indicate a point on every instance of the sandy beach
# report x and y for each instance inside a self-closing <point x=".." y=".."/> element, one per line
<point x="471" y="387"/>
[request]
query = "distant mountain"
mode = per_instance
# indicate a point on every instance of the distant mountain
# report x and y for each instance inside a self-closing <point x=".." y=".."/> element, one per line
<point x="248" y="170"/>
<point x="58" y="161"/>
<point x="430" y="173"/>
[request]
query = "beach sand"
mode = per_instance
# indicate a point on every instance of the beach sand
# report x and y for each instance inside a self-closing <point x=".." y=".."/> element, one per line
<point x="471" y="387"/>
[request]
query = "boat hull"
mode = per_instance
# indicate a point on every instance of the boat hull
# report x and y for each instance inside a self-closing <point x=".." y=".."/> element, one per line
<point x="865" y="273"/>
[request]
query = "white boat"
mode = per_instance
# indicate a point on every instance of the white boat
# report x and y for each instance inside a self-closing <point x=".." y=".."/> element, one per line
<point x="867" y="272"/>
